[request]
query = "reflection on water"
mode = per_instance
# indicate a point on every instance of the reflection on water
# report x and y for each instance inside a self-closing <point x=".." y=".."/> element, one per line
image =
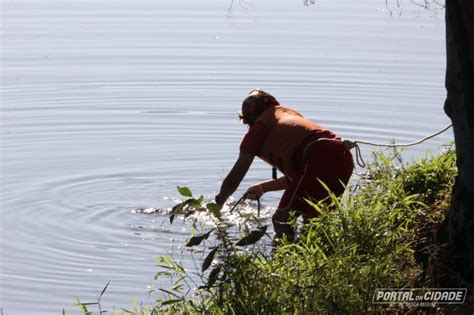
<point x="107" y="106"/>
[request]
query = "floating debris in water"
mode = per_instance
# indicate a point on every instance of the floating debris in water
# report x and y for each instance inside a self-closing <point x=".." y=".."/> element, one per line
<point x="151" y="210"/>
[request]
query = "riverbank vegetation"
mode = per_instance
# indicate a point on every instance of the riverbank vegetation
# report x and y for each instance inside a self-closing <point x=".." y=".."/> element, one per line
<point x="364" y="241"/>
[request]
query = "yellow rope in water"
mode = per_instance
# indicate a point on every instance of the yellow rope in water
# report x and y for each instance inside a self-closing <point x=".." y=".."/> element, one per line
<point x="360" y="161"/>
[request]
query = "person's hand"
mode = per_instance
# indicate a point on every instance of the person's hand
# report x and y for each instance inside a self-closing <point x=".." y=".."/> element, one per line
<point x="254" y="192"/>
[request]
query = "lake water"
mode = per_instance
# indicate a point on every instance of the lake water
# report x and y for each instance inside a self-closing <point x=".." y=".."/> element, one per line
<point x="108" y="105"/>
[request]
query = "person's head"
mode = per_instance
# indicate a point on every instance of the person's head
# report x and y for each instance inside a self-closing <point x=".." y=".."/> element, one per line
<point x="256" y="102"/>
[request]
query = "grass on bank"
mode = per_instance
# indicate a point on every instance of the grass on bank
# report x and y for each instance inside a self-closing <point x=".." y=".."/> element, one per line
<point x="364" y="241"/>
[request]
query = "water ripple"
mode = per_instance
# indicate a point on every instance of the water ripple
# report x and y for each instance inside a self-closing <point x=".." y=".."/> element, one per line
<point x="105" y="114"/>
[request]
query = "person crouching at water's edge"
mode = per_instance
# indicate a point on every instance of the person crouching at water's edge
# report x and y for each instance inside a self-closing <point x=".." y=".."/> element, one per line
<point x="300" y="149"/>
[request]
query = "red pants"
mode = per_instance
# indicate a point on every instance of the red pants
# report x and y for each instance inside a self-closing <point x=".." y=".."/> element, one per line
<point x="326" y="160"/>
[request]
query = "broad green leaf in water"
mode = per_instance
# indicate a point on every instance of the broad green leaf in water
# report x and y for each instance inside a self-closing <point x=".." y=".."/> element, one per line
<point x="253" y="237"/>
<point x="185" y="191"/>
<point x="214" y="209"/>
<point x="198" y="201"/>
<point x="213" y="275"/>
<point x="196" y="240"/>
<point x="210" y="257"/>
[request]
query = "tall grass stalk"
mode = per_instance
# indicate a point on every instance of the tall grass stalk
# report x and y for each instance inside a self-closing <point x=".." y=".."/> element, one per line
<point x="363" y="241"/>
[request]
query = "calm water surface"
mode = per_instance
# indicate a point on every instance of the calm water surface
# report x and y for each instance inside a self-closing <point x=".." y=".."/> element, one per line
<point x="108" y="105"/>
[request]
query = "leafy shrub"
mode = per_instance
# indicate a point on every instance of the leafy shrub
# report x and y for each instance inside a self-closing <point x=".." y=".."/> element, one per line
<point x="358" y="243"/>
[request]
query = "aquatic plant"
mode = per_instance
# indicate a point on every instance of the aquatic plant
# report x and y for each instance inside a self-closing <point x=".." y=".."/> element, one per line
<point x="362" y="241"/>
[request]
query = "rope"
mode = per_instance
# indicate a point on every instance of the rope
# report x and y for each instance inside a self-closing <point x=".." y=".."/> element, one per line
<point x="360" y="161"/>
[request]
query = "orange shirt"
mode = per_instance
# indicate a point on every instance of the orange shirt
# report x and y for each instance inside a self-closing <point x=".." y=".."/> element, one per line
<point x="254" y="139"/>
<point x="279" y="137"/>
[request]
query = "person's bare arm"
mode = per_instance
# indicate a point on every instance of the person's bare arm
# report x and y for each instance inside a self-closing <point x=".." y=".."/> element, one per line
<point x="256" y="191"/>
<point x="277" y="184"/>
<point x="235" y="176"/>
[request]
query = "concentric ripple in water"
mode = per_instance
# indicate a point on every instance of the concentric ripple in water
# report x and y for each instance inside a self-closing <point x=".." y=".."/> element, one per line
<point x="107" y="106"/>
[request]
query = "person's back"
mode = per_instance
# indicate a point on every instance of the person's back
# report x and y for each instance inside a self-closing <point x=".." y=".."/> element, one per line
<point x="305" y="152"/>
<point x="287" y="132"/>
